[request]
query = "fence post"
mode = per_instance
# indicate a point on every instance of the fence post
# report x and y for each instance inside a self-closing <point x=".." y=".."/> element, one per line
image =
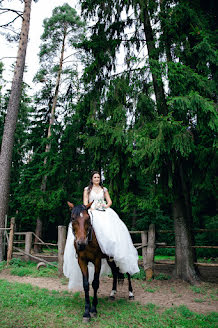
<point x="10" y="241"/>
<point x="28" y="245"/>
<point x="149" y="267"/>
<point x="144" y="238"/>
<point x="61" y="246"/>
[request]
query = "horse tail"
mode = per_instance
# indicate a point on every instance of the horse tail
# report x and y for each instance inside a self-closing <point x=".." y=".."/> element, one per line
<point x="120" y="278"/>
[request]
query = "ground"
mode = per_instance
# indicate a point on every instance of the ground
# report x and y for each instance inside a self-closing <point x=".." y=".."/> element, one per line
<point x="164" y="293"/>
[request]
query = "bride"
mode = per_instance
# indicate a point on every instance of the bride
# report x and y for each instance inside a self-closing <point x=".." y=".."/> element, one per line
<point x="112" y="235"/>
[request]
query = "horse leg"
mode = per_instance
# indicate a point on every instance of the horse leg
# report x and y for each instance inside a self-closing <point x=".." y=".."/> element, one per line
<point x="114" y="270"/>
<point x="131" y="295"/>
<point x="95" y="286"/>
<point x="84" y="268"/>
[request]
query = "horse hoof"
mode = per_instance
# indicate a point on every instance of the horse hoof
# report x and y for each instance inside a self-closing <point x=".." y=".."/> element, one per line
<point x="111" y="298"/>
<point x="131" y="298"/>
<point x="86" y="319"/>
<point x="93" y="314"/>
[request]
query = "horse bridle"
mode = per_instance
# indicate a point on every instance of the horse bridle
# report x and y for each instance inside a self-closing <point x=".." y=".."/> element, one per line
<point x="90" y="229"/>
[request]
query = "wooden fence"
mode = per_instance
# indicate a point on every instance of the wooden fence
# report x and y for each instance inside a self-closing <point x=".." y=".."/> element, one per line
<point x="27" y="241"/>
<point x="148" y="245"/>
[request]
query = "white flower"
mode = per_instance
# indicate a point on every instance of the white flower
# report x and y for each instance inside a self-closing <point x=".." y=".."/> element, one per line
<point x="98" y="204"/>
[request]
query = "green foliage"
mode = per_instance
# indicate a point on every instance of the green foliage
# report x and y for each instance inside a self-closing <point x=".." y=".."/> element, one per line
<point x="61" y="31"/>
<point x="111" y="122"/>
<point x="64" y="21"/>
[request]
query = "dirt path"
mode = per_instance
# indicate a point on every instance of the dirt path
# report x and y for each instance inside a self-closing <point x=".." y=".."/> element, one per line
<point x="164" y="293"/>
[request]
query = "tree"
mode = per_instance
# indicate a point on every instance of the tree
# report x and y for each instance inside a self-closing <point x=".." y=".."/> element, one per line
<point x="11" y="119"/>
<point x="164" y="145"/>
<point x="62" y="29"/>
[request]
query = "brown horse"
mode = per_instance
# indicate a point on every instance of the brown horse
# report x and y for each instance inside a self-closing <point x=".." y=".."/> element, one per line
<point x="88" y="250"/>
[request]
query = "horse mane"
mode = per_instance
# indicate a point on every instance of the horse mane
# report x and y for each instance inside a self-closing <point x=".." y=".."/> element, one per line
<point x="77" y="210"/>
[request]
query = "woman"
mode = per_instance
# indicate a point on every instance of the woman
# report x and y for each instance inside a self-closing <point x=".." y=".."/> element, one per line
<point x="112" y="235"/>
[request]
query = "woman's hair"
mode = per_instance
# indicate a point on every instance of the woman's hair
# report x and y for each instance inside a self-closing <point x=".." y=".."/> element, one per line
<point x="91" y="183"/>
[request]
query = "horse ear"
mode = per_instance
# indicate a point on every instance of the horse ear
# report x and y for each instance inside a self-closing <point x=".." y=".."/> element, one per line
<point x="89" y="205"/>
<point x="70" y="205"/>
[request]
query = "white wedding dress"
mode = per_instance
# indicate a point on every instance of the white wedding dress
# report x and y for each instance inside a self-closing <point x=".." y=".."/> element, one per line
<point x="113" y="238"/>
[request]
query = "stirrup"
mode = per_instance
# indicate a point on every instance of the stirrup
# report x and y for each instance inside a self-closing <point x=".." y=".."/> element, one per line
<point x="111" y="259"/>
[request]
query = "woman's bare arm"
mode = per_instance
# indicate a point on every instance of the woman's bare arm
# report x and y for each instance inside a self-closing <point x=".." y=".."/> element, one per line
<point x="108" y="199"/>
<point x="85" y="197"/>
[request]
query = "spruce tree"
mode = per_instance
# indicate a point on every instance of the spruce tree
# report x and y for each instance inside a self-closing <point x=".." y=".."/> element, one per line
<point x="166" y="143"/>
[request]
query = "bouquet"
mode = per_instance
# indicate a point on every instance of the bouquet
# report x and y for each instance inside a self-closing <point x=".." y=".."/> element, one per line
<point x="99" y="205"/>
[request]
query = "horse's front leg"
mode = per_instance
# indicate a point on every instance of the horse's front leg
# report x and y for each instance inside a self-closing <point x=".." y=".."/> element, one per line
<point x="95" y="286"/>
<point x="84" y="268"/>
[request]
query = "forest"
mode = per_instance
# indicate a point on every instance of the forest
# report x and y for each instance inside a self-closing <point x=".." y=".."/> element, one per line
<point x="127" y="88"/>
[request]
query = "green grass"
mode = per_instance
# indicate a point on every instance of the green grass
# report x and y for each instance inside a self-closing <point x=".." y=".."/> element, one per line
<point x="162" y="276"/>
<point x="139" y="275"/>
<point x="149" y="289"/>
<point x="2" y="265"/>
<point x="25" y="306"/>
<point x="206" y="292"/>
<point x="21" y="268"/>
<point x="172" y="258"/>
<point x="164" y="257"/>
<point x="161" y="257"/>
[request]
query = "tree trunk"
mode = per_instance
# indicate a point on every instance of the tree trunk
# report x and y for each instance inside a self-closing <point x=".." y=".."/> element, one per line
<point x="167" y="39"/>
<point x="11" y="119"/>
<point x="134" y="217"/>
<point x="39" y="223"/>
<point x="188" y="208"/>
<point x="184" y="261"/>
<point x="153" y="59"/>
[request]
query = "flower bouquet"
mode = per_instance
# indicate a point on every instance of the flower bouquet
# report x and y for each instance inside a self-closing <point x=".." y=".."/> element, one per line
<point x="99" y="205"/>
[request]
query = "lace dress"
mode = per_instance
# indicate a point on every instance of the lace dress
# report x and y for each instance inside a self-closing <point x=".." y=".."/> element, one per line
<point x="113" y="238"/>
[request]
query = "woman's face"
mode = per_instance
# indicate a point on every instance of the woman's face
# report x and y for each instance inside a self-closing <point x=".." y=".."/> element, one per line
<point x="96" y="178"/>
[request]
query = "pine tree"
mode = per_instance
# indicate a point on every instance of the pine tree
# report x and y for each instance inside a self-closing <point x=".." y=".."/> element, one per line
<point x="11" y="119"/>
<point x="62" y="29"/>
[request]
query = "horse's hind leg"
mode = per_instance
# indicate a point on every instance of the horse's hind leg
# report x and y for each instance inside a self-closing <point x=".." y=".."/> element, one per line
<point x="114" y="270"/>
<point x="131" y="295"/>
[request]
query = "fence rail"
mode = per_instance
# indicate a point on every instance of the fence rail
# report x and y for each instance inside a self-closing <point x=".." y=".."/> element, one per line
<point x="148" y="248"/>
<point x="148" y="245"/>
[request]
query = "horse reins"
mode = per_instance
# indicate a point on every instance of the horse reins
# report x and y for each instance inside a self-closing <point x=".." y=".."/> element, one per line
<point x="91" y="227"/>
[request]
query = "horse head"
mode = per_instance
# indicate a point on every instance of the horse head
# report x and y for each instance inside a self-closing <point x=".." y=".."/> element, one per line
<point x="81" y="224"/>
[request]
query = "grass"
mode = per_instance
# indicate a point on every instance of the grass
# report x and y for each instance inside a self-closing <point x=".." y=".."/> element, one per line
<point x="206" y="292"/>
<point x="172" y="258"/>
<point x="149" y="289"/>
<point x="25" y="306"/>
<point x="162" y="276"/>
<point x="139" y="275"/>
<point x="161" y="257"/>
<point x="21" y="268"/>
